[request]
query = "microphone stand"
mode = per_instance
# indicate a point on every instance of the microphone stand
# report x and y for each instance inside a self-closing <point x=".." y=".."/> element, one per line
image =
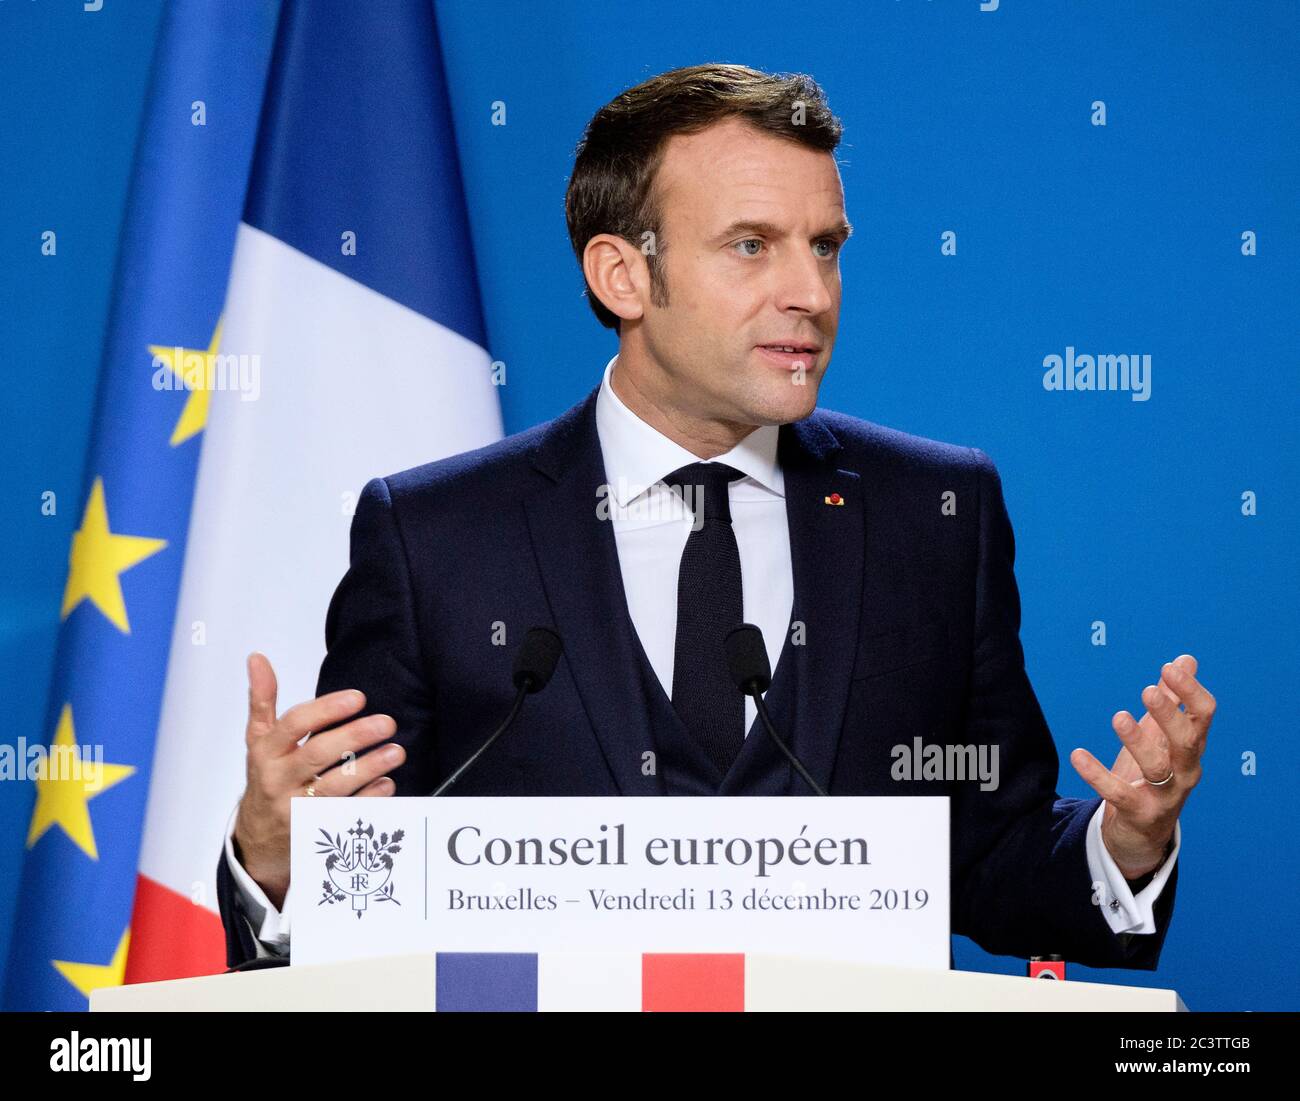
<point x="514" y="710"/>
<point x="771" y="731"/>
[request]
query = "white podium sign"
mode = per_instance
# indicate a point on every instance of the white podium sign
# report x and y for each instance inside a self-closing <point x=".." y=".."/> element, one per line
<point x="844" y="878"/>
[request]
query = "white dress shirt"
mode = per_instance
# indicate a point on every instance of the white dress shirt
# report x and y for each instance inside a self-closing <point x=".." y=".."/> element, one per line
<point x="651" y="525"/>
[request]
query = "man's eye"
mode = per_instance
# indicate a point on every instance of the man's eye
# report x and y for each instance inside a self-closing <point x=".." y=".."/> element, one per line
<point x="831" y="245"/>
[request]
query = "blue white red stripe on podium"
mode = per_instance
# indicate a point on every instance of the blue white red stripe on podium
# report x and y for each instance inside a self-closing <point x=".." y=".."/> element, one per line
<point x="525" y="982"/>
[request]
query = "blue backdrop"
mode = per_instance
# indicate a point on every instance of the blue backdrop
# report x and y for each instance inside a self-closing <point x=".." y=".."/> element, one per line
<point x="1108" y="239"/>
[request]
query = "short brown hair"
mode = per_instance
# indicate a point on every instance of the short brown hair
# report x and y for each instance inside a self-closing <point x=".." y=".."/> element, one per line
<point x="611" y="189"/>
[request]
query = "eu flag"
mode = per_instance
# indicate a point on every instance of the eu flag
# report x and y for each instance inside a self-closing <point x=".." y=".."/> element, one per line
<point x="71" y="932"/>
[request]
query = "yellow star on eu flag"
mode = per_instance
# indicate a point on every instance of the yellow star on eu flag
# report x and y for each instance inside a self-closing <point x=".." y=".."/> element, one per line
<point x="194" y="369"/>
<point x="93" y="976"/>
<point x="98" y="557"/>
<point x="65" y="783"/>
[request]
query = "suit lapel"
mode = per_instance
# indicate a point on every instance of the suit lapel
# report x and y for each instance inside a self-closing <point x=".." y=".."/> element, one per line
<point x="827" y="544"/>
<point x="578" y="559"/>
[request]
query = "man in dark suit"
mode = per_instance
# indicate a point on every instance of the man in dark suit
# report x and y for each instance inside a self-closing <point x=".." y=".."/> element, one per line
<point x="698" y="486"/>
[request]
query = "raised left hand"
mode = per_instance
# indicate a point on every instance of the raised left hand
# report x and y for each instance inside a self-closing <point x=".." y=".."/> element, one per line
<point x="1140" y="815"/>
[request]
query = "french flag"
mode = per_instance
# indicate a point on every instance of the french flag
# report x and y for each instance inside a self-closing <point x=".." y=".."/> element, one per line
<point x="353" y="324"/>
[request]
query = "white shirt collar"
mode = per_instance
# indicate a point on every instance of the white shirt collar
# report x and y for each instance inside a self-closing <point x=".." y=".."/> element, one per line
<point x="637" y="455"/>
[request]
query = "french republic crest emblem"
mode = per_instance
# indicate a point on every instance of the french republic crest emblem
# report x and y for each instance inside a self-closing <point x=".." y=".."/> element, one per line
<point x="359" y="868"/>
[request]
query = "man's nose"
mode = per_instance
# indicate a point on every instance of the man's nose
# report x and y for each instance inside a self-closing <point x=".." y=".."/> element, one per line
<point x="803" y="285"/>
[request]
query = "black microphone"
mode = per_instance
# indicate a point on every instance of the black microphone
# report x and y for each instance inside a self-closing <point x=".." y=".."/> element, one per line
<point x="747" y="662"/>
<point x="534" y="665"/>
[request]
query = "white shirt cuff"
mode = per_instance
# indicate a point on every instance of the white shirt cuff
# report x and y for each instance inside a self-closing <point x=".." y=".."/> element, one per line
<point x="269" y="925"/>
<point x="1124" y="911"/>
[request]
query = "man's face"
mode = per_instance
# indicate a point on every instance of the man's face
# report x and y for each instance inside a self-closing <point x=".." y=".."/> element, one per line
<point x="752" y="227"/>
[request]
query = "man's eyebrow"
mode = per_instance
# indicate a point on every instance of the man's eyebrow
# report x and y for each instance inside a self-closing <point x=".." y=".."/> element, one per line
<point x="840" y="231"/>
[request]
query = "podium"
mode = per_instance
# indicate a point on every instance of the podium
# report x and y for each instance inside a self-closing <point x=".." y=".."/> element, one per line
<point x="768" y="983"/>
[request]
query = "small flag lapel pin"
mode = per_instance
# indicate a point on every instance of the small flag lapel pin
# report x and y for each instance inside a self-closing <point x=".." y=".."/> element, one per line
<point x="834" y="499"/>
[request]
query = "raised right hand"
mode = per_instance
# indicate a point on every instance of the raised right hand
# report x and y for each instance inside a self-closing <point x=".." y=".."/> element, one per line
<point x="279" y="768"/>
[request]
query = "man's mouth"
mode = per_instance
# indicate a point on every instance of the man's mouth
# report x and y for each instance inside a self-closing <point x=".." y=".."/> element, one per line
<point x="790" y="355"/>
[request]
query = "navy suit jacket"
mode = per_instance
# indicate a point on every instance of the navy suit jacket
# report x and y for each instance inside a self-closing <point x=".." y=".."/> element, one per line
<point x="910" y="615"/>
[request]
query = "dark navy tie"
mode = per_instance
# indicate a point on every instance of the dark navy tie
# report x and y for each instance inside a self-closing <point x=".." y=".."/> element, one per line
<point x="710" y="603"/>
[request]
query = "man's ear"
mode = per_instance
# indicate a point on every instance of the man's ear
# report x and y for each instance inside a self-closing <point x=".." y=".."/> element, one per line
<point x="617" y="274"/>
